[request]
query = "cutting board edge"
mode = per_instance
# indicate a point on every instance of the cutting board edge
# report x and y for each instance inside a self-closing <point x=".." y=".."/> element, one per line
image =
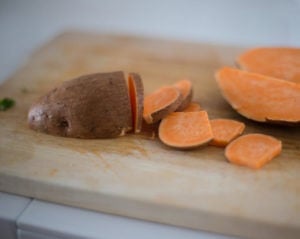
<point x="148" y="210"/>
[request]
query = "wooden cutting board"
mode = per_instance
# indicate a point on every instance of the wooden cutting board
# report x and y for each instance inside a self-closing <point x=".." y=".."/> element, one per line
<point x="136" y="175"/>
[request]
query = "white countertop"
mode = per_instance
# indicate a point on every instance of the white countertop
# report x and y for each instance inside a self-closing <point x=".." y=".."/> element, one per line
<point x="31" y="218"/>
<point x="25" y="25"/>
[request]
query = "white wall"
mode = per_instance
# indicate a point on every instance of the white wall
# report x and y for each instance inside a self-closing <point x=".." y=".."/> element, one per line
<point x="25" y="25"/>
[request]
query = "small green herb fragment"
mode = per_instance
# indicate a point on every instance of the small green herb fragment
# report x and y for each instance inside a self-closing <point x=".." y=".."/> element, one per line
<point x="6" y="103"/>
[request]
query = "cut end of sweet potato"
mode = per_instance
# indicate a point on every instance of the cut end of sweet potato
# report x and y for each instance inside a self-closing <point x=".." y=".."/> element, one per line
<point x="136" y="92"/>
<point x="185" y="130"/>
<point x="253" y="150"/>
<point x="278" y="62"/>
<point x="161" y="103"/>
<point x="225" y="130"/>
<point x="186" y="90"/>
<point x="260" y="98"/>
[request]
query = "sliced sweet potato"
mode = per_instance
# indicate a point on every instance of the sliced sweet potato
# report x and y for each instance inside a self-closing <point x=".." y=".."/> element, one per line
<point x="185" y="130"/>
<point x="225" y="130"/>
<point x="186" y="90"/>
<point x="193" y="106"/>
<point x="278" y="62"/>
<point x="90" y="106"/>
<point x="253" y="150"/>
<point x="136" y="92"/>
<point x="161" y="103"/>
<point x="260" y="97"/>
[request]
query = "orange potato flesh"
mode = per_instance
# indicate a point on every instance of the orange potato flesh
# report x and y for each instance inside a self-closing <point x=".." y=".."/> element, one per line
<point x="186" y="90"/>
<point x="225" y="130"/>
<point x="259" y="97"/>
<point x="160" y="103"/>
<point x="136" y="92"/>
<point x="279" y="62"/>
<point x="185" y="129"/>
<point x="192" y="107"/>
<point x="253" y="150"/>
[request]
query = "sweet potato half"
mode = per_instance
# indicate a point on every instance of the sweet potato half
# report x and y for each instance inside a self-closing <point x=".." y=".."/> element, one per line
<point x="259" y="97"/>
<point x="279" y="62"/>
<point x="90" y="106"/>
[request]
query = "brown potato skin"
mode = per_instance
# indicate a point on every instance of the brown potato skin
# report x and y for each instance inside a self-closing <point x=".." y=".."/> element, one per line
<point x="90" y="106"/>
<point x="185" y="102"/>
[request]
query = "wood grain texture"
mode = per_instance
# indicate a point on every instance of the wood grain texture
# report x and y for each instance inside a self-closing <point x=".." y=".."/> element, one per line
<point x="137" y="176"/>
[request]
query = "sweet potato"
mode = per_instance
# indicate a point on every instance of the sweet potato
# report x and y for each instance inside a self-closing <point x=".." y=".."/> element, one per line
<point x="225" y="130"/>
<point x="90" y="106"/>
<point x="160" y="103"/>
<point x="186" y="90"/>
<point x="136" y="92"/>
<point x="253" y="150"/>
<point x="259" y="97"/>
<point x="193" y="106"/>
<point x="279" y="62"/>
<point x="185" y="130"/>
